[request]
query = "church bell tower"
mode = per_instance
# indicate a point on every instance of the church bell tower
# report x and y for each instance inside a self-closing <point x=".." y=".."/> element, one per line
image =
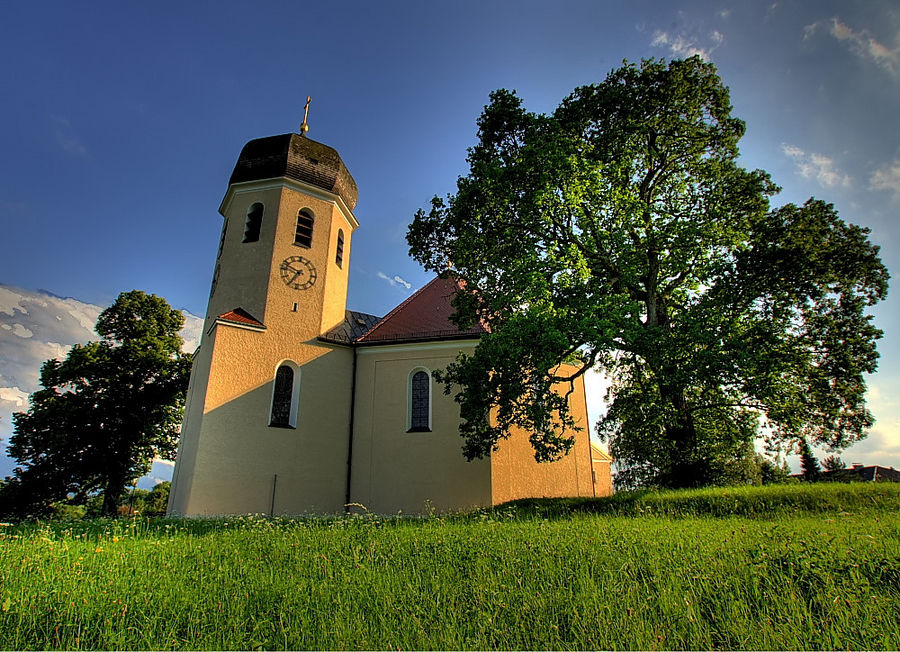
<point x="285" y="241"/>
<point x="264" y="431"/>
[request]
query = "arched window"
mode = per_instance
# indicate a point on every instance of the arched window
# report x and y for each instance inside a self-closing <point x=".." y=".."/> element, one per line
<point x="303" y="235"/>
<point x="254" y="222"/>
<point x="339" y="253"/>
<point x="285" y="396"/>
<point x="419" y="393"/>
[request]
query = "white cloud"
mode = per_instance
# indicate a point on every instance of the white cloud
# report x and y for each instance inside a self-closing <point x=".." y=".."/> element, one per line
<point x="684" y="45"/>
<point x="10" y="302"/>
<point x="395" y="280"/>
<point x="887" y="178"/>
<point x="816" y="166"/>
<point x="15" y="396"/>
<point x="54" y="350"/>
<point x="20" y="331"/>
<point x="860" y="42"/>
<point x="66" y="138"/>
<point x="84" y="313"/>
<point x="193" y="328"/>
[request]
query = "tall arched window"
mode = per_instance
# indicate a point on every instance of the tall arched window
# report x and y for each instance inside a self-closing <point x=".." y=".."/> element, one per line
<point x="339" y="252"/>
<point x="419" y="393"/>
<point x="285" y="395"/>
<point x="303" y="235"/>
<point x="254" y="222"/>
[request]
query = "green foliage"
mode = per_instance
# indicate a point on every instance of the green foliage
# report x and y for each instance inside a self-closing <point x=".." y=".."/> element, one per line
<point x="834" y="463"/>
<point x="67" y="511"/>
<point x="500" y="579"/>
<point x="620" y="232"/>
<point x="103" y="413"/>
<point x="808" y="463"/>
<point x="157" y="500"/>
<point x="772" y="473"/>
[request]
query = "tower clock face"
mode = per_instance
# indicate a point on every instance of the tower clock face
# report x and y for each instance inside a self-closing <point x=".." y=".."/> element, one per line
<point x="298" y="273"/>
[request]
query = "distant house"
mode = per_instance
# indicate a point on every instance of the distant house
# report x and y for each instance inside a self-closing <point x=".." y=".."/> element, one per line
<point x="860" y="473"/>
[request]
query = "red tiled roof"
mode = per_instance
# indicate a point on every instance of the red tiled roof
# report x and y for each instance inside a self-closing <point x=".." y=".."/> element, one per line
<point x="423" y="316"/>
<point x="241" y="316"/>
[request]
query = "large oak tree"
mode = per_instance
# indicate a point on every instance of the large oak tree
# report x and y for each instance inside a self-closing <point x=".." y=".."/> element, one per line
<point x="620" y="232"/>
<point x="104" y="412"/>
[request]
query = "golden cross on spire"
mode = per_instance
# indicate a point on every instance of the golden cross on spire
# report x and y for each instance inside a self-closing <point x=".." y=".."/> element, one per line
<point x="304" y="126"/>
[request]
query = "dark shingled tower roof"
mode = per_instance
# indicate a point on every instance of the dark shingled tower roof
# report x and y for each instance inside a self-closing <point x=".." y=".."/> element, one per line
<point x="299" y="158"/>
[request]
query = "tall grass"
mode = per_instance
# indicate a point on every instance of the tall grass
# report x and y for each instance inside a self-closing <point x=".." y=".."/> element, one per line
<point x="766" y="501"/>
<point x="504" y="578"/>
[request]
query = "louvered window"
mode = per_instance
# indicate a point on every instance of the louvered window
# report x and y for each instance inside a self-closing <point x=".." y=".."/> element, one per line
<point x="339" y="254"/>
<point x="304" y="233"/>
<point x="222" y="240"/>
<point x="254" y="222"/>
<point x="419" y="402"/>
<point x="282" y="397"/>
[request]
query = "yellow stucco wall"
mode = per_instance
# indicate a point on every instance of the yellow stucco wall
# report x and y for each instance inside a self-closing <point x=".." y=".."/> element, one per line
<point x="413" y="472"/>
<point x="602" y="477"/>
<point x="239" y="455"/>
<point x="516" y="474"/>
<point x="188" y="443"/>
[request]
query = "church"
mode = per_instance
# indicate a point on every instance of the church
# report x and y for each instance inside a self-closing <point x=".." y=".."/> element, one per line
<point x="297" y="405"/>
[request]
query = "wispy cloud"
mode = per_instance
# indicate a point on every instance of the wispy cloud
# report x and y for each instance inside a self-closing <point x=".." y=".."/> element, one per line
<point x="887" y="178"/>
<point x="18" y="330"/>
<point x="816" y="166"/>
<point x="66" y="137"/>
<point x="861" y="42"/>
<point x="395" y="280"/>
<point x="15" y="396"/>
<point x="684" y="45"/>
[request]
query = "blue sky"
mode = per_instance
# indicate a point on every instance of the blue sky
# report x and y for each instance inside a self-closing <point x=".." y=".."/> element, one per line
<point x="120" y="122"/>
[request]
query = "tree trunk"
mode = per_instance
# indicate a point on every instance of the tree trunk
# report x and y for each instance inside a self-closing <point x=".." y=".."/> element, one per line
<point x="111" y="495"/>
<point x="686" y="469"/>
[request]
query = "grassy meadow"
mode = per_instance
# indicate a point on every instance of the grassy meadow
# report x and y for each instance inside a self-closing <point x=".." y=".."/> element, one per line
<point x="784" y="567"/>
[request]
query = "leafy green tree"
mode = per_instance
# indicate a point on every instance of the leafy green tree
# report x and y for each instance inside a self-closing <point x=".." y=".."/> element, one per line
<point x="834" y="463"/>
<point x="620" y="232"/>
<point x="772" y="473"/>
<point x="809" y="465"/>
<point x="104" y="412"/>
<point x="158" y="499"/>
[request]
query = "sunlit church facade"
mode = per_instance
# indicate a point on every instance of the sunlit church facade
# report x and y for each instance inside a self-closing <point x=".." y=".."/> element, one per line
<point x="297" y="405"/>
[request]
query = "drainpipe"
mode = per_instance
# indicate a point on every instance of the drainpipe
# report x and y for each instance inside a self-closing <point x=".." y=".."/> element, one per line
<point x="274" y="486"/>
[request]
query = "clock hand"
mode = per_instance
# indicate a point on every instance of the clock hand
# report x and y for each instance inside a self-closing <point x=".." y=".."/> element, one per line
<point x="296" y="274"/>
